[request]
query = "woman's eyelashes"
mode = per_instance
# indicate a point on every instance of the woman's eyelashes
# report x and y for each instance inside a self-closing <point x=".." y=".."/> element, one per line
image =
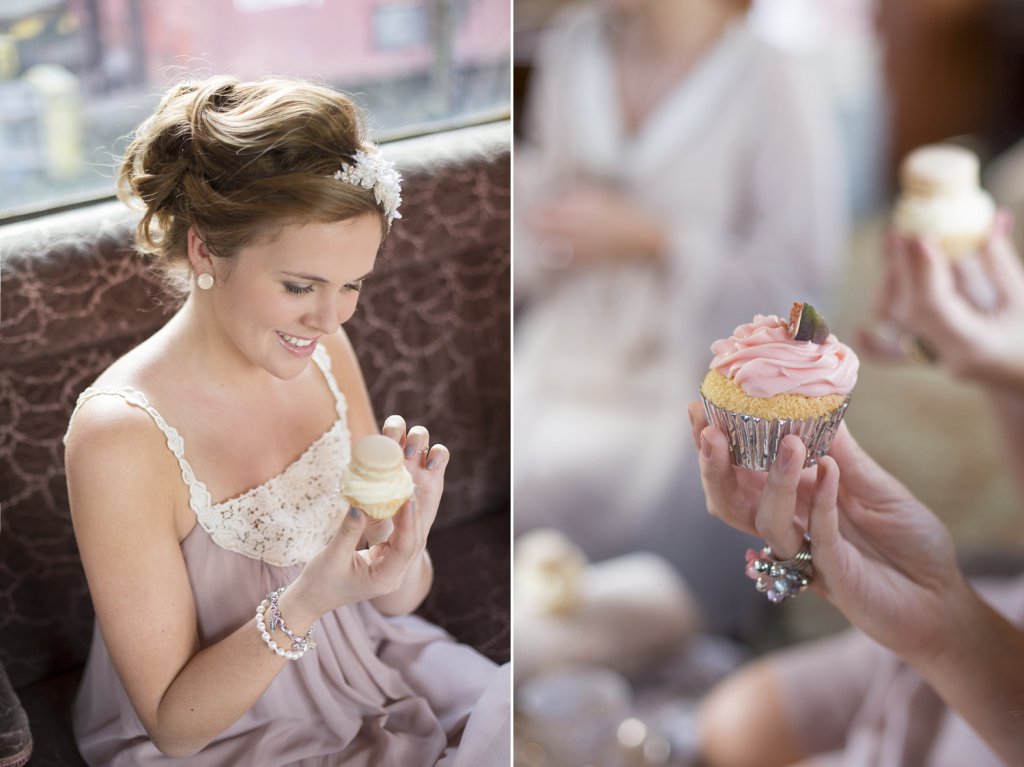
<point x="291" y="287"/>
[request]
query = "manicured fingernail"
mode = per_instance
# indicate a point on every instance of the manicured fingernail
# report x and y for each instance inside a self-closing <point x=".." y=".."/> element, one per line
<point x="432" y="462"/>
<point x="705" y="446"/>
<point x="355" y="513"/>
<point x="410" y="450"/>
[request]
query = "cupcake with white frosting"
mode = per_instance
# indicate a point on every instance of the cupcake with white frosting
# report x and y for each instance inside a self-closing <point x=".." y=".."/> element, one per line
<point x="376" y="479"/>
<point x="941" y="197"/>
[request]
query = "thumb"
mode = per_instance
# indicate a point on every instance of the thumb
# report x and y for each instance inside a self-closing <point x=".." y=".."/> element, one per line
<point x="351" y="530"/>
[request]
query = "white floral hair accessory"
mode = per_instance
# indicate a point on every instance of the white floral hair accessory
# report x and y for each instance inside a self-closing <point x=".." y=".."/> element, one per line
<point x="370" y="170"/>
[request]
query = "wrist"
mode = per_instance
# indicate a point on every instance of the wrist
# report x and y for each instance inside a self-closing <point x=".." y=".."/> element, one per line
<point x="295" y="610"/>
<point x="965" y="623"/>
<point x="280" y="638"/>
<point x="995" y="366"/>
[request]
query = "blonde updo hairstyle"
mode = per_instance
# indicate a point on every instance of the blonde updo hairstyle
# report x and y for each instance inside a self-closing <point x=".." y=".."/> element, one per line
<point x="237" y="161"/>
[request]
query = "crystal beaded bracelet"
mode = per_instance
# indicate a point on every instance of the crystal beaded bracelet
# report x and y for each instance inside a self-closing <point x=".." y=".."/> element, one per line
<point x="269" y="618"/>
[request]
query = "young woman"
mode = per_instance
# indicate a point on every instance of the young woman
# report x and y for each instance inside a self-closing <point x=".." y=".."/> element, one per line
<point x="204" y="468"/>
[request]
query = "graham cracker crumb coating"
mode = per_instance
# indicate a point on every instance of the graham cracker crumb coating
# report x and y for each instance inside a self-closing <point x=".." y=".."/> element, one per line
<point x="378" y="511"/>
<point x="727" y="394"/>
<point x="958" y="247"/>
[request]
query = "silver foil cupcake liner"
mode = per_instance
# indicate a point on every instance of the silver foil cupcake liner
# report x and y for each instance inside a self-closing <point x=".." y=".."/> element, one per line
<point x="754" y="442"/>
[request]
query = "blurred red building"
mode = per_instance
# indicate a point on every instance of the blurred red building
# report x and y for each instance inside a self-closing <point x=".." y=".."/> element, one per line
<point x="333" y="40"/>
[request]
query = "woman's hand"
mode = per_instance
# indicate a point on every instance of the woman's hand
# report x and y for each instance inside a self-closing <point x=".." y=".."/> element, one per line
<point x="395" y="572"/>
<point x="879" y="555"/>
<point x="425" y="462"/>
<point x="600" y="224"/>
<point x="928" y="297"/>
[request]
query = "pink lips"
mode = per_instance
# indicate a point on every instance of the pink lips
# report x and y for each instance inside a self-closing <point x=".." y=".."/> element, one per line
<point x="298" y="351"/>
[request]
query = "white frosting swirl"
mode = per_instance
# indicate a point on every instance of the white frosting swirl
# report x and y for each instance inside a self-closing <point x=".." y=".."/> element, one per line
<point x="946" y="215"/>
<point x="379" y="489"/>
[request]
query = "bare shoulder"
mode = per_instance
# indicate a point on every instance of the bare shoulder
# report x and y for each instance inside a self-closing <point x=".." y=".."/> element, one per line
<point x="109" y="422"/>
<point x="110" y="409"/>
<point x="116" y="452"/>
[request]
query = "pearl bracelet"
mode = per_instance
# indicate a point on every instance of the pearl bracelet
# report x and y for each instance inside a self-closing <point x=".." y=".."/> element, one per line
<point x="268" y="609"/>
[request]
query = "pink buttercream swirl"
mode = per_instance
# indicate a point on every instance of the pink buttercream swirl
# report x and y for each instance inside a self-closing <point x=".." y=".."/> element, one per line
<point x="765" y="360"/>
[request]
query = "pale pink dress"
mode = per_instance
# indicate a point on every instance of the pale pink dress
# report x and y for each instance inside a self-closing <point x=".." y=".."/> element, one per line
<point x="376" y="690"/>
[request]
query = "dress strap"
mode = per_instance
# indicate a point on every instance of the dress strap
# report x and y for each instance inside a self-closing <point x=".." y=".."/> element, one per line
<point x="199" y="496"/>
<point x="323" y="361"/>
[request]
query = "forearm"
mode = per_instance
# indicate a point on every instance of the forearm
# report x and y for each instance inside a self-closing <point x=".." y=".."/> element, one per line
<point x="980" y="673"/>
<point x="219" y="684"/>
<point x="413" y="590"/>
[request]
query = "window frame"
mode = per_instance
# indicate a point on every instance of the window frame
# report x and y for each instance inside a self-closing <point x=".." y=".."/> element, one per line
<point x="75" y="202"/>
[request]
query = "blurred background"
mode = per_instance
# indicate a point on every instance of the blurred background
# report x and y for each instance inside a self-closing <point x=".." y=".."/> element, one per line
<point x="891" y="75"/>
<point x="77" y="75"/>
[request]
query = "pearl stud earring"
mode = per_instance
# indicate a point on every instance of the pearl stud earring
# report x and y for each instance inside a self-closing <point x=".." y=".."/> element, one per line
<point x="204" y="281"/>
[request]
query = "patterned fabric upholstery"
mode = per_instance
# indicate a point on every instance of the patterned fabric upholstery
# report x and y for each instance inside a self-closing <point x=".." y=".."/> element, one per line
<point x="15" y="737"/>
<point x="432" y="332"/>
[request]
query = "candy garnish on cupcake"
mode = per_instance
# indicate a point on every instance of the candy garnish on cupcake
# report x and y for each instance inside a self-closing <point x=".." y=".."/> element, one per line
<point x="807" y="324"/>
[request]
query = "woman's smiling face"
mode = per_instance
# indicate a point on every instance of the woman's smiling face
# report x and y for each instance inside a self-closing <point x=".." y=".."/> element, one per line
<point x="275" y="299"/>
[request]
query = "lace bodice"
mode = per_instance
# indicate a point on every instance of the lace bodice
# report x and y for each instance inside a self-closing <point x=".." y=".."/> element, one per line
<point x="286" y="519"/>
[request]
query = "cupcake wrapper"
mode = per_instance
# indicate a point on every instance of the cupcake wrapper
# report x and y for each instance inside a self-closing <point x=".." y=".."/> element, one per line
<point x="754" y="442"/>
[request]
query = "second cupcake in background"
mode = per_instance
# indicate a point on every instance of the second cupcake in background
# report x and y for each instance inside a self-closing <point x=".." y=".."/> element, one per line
<point x="941" y="197"/>
<point x="774" y="377"/>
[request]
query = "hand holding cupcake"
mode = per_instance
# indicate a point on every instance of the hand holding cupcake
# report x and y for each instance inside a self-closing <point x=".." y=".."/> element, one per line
<point x="774" y="377"/>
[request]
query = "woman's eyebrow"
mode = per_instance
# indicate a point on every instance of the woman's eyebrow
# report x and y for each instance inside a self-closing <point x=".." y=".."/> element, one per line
<point x="306" y="277"/>
<point x="314" y="278"/>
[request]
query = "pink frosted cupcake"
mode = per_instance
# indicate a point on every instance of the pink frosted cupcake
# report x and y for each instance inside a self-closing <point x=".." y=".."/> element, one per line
<point x="771" y="378"/>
